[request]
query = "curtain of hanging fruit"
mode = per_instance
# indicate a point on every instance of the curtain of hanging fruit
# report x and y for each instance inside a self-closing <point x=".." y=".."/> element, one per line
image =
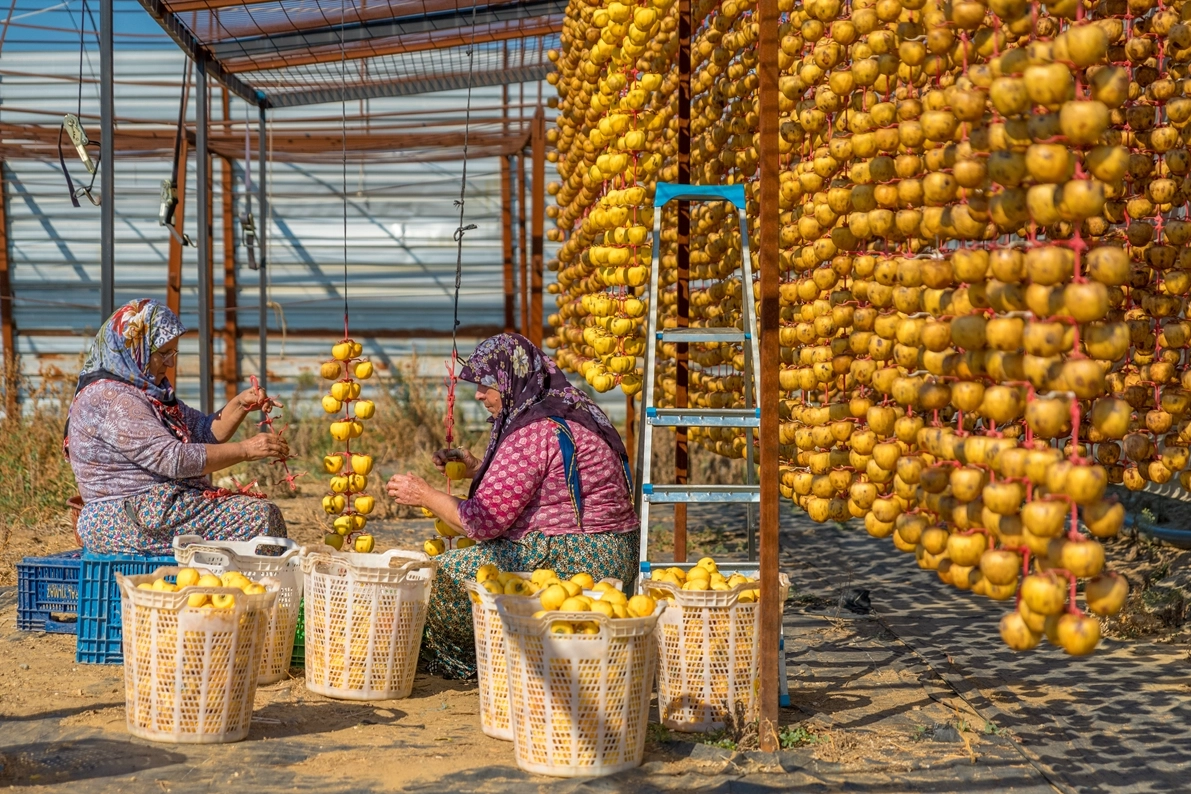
<point x="983" y="254"/>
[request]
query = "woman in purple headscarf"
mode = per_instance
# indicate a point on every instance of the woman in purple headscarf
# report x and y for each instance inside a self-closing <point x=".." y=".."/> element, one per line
<point x="552" y="491"/>
<point x="141" y="456"/>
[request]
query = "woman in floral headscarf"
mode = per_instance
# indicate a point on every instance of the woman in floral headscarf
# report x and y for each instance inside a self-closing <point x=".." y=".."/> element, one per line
<point x="141" y="457"/>
<point x="552" y="491"/>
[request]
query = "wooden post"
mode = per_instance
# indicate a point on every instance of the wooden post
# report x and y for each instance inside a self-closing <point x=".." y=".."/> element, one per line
<point x="8" y="331"/>
<point x="203" y="234"/>
<point x="231" y="334"/>
<point x="683" y="303"/>
<point x="522" y="246"/>
<point x="208" y="270"/>
<point x="262" y="232"/>
<point x="506" y="235"/>
<point x="173" y="282"/>
<point x="506" y="211"/>
<point x="768" y="225"/>
<point x="630" y="416"/>
<point x="539" y="222"/>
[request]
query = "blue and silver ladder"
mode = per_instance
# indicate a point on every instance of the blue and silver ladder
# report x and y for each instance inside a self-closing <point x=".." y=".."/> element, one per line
<point x="748" y="417"/>
<point x="747" y="336"/>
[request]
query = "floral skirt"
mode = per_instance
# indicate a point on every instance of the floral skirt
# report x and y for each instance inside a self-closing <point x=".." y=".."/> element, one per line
<point x="148" y="522"/>
<point x="448" y="643"/>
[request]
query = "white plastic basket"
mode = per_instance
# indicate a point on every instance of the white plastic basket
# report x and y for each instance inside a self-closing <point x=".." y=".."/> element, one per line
<point x="491" y="669"/>
<point x="220" y="556"/>
<point x="708" y="660"/>
<point x="364" y="617"/>
<point x="190" y="673"/>
<point x="579" y="702"/>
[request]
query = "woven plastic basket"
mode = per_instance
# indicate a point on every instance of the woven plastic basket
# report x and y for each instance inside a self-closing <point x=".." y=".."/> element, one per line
<point x="491" y="669"/>
<point x="364" y="615"/>
<point x="190" y="673"/>
<point x="246" y="557"/>
<point x="708" y="666"/>
<point x="579" y="702"/>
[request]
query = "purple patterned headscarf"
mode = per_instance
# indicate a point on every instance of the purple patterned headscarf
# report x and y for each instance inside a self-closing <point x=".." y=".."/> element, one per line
<point x="531" y="388"/>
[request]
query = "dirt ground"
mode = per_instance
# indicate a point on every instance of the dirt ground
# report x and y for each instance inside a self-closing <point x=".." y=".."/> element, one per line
<point x="897" y="700"/>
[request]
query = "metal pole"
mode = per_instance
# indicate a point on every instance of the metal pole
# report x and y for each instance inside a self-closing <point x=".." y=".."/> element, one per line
<point x="203" y="243"/>
<point x="262" y="233"/>
<point x="768" y="226"/>
<point x="107" y="166"/>
<point x="683" y="285"/>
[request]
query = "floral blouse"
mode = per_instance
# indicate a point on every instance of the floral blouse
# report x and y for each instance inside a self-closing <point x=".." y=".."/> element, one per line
<point x="119" y="447"/>
<point x="525" y="489"/>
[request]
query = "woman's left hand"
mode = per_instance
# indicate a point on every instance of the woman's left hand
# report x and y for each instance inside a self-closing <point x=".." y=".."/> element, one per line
<point x="408" y="489"/>
<point x="255" y="399"/>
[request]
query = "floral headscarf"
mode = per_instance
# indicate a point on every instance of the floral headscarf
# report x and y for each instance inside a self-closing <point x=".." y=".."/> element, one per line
<point x="121" y="352"/>
<point x="532" y="388"/>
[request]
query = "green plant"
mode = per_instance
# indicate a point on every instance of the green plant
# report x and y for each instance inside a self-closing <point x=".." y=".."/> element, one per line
<point x="658" y="733"/>
<point x="918" y="732"/>
<point x="1149" y="515"/>
<point x="793" y="736"/>
<point x="718" y="738"/>
<point x="991" y="728"/>
<point x="37" y="475"/>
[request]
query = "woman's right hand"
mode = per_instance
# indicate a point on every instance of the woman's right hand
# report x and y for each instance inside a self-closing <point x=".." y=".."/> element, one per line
<point x="469" y="460"/>
<point x="264" y="446"/>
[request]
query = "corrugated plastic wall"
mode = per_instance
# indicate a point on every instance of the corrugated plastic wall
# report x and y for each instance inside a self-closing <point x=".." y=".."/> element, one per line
<point x="400" y="221"/>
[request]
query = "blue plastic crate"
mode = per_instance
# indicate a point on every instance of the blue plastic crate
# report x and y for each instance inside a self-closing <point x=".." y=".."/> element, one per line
<point x="48" y="593"/>
<point x="100" y="623"/>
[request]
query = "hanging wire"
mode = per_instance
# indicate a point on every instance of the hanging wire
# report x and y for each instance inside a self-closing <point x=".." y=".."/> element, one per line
<point x="461" y="202"/>
<point x="343" y="147"/>
<point x="82" y="38"/>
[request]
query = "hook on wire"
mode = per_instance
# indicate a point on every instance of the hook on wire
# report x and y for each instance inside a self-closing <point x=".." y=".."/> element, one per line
<point x="462" y="229"/>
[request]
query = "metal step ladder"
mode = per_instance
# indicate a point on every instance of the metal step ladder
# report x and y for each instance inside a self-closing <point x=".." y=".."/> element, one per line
<point x="651" y="417"/>
<point x="749" y="493"/>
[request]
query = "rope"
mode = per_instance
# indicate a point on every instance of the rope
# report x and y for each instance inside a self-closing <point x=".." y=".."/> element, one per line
<point x="343" y="147"/>
<point x="460" y="231"/>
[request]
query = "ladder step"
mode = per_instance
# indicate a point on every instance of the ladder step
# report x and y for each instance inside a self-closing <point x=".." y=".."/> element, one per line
<point x="703" y="335"/>
<point x="700" y="417"/>
<point x="701" y="493"/>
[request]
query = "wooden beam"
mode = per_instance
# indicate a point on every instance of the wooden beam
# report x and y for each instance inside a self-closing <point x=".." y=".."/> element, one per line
<point x="464" y="36"/>
<point x="506" y="234"/>
<point x="173" y="280"/>
<point x="683" y="285"/>
<point x="522" y="245"/>
<point x="768" y="226"/>
<point x="539" y="222"/>
<point x="476" y="332"/>
<point x="8" y="330"/>
<point x="35" y="141"/>
<point x="231" y="335"/>
<point x="203" y="235"/>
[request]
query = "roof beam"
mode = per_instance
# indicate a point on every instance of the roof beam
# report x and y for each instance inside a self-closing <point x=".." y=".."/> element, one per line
<point x="412" y="87"/>
<point x="30" y="140"/>
<point x="402" y="45"/>
<point x="194" y="48"/>
<point x="437" y="17"/>
<point x="254" y="19"/>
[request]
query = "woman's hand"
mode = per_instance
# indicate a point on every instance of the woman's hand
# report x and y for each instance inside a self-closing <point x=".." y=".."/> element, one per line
<point x="255" y="399"/>
<point x="469" y="460"/>
<point x="264" y="446"/>
<point x="408" y="489"/>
